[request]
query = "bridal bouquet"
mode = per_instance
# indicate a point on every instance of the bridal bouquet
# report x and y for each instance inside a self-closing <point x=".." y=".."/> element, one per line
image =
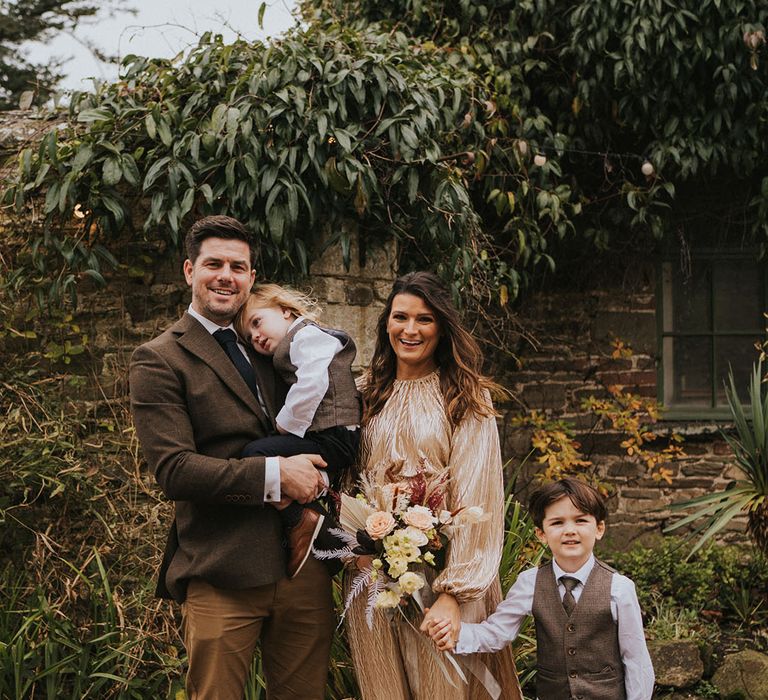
<point x="405" y="529"/>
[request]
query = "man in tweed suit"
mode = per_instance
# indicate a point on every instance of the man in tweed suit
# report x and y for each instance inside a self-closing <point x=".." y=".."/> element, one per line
<point x="197" y="398"/>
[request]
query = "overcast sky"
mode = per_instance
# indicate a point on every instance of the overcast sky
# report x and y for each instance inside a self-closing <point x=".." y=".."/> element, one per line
<point x="160" y="28"/>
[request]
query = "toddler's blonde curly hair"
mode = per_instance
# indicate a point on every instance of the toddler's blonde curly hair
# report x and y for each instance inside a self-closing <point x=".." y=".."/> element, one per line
<point x="266" y="295"/>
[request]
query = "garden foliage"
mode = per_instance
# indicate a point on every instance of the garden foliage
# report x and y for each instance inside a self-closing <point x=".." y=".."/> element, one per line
<point x="428" y="126"/>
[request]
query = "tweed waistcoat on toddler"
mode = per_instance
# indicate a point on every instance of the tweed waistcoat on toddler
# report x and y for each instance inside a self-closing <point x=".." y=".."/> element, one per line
<point x="341" y="405"/>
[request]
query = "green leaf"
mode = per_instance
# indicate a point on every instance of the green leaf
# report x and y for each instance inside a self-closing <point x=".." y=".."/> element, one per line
<point x="52" y="197"/>
<point x="111" y="172"/>
<point x="260" y="15"/>
<point x="150" y="126"/>
<point x="344" y="139"/>
<point x="186" y="202"/>
<point x="82" y="157"/>
<point x="115" y="208"/>
<point x="154" y="172"/>
<point x="164" y="132"/>
<point x="130" y="170"/>
<point x="94" y="115"/>
<point x="322" y="124"/>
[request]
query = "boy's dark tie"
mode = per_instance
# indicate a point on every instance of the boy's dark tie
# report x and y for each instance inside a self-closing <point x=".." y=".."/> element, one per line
<point x="227" y="338"/>
<point x="569" y="602"/>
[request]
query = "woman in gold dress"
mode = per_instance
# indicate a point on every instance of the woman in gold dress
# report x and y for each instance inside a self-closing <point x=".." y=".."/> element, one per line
<point x="428" y="410"/>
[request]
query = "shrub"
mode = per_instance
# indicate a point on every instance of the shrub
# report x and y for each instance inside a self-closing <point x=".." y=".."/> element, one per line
<point x="725" y="580"/>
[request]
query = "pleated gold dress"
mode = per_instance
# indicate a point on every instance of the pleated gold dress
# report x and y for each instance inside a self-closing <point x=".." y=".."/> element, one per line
<point x="393" y="661"/>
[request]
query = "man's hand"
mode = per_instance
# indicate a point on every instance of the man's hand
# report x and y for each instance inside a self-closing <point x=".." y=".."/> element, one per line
<point x="299" y="477"/>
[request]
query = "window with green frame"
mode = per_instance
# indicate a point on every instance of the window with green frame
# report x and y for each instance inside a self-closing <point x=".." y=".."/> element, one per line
<point x="710" y="318"/>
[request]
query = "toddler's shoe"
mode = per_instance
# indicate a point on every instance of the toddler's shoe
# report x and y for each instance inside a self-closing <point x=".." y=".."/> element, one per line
<point x="300" y="538"/>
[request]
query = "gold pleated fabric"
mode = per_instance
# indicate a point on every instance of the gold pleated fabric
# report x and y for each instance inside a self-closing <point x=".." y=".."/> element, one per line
<point x="392" y="661"/>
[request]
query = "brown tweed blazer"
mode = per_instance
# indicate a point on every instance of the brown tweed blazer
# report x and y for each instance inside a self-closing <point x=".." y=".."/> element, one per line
<point x="193" y="415"/>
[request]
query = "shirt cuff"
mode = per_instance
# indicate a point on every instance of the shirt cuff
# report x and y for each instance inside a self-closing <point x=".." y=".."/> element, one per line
<point x="271" y="479"/>
<point x="326" y="480"/>
<point x="464" y="644"/>
<point x="290" y="424"/>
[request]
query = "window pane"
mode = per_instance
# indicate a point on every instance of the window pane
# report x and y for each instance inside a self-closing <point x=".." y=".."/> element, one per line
<point x="740" y="353"/>
<point x="688" y="372"/>
<point x="691" y="299"/>
<point x="738" y="296"/>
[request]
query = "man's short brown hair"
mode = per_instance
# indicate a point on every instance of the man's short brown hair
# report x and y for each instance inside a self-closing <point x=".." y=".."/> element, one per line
<point x="217" y="226"/>
<point x="583" y="496"/>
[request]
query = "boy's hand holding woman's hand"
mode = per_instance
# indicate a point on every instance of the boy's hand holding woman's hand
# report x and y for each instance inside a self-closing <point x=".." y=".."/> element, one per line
<point x="442" y="622"/>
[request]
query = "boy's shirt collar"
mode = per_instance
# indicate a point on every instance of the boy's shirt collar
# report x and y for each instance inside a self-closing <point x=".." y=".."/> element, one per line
<point x="582" y="574"/>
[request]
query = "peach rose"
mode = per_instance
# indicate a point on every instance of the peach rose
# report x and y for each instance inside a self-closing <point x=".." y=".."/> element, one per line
<point x="379" y="524"/>
<point x="419" y="517"/>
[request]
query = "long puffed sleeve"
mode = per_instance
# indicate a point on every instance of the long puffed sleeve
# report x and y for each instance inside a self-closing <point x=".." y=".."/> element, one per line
<point x="476" y="479"/>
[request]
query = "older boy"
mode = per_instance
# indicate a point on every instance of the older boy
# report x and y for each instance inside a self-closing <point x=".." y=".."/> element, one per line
<point x="589" y="630"/>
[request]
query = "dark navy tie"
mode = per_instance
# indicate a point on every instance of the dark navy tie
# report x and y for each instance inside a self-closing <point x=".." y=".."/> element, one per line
<point x="227" y="338"/>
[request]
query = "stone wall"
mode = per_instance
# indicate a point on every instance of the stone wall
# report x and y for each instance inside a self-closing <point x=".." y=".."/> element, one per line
<point x="571" y="360"/>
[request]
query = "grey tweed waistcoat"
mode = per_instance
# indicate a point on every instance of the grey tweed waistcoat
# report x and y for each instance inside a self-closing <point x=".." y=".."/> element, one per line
<point x="578" y="657"/>
<point x="341" y="404"/>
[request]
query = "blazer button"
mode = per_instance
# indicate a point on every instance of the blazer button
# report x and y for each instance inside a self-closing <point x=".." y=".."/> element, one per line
<point x="573" y="674"/>
<point x="571" y="627"/>
<point x="572" y="651"/>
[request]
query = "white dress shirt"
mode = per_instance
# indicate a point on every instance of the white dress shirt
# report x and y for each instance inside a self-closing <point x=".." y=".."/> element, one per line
<point x="271" y="464"/>
<point x="312" y="350"/>
<point x="501" y="627"/>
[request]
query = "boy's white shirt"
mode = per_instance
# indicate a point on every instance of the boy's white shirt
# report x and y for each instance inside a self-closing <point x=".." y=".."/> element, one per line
<point x="502" y="626"/>
<point x="312" y="350"/>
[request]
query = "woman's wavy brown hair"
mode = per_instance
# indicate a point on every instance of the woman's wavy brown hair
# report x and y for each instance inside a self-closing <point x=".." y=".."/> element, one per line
<point x="457" y="355"/>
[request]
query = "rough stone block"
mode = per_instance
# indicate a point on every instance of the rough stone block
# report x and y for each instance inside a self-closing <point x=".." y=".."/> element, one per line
<point x="677" y="662"/>
<point x="359" y="294"/>
<point x="721" y="448"/>
<point x="743" y="676"/>
<point x="543" y="396"/>
<point x="711" y="469"/>
<point x="625" y="468"/>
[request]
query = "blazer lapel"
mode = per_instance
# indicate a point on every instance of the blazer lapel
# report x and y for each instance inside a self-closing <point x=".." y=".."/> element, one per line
<point x="198" y="341"/>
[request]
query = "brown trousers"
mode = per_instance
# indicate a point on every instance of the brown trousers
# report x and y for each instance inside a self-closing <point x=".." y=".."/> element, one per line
<point x="293" y="619"/>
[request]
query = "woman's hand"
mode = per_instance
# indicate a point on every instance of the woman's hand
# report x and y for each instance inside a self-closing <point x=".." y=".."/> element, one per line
<point x="445" y="618"/>
<point x="440" y="632"/>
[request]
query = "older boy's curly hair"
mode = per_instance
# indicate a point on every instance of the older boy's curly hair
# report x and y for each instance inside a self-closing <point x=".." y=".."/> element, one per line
<point x="586" y="498"/>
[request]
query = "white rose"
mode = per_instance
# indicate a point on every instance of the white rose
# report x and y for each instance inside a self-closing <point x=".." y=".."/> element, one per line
<point x="388" y="599"/>
<point x="411" y="582"/>
<point x="445" y="517"/>
<point x="420" y="517"/>
<point x="415" y="536"/>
